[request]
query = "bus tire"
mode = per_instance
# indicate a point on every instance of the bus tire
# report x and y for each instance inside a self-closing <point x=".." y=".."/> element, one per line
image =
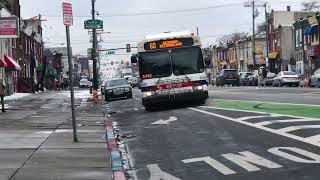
<point x="148" y="108"/>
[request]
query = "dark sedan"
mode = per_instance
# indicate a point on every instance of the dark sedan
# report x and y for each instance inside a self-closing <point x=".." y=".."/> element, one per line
<point x="117" y="88"/>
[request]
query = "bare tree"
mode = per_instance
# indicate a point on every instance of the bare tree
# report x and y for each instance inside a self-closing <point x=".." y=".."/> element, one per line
<point x="311" y="5"/>
<point x="261" y="28"/>
<point x="231" y="38"/>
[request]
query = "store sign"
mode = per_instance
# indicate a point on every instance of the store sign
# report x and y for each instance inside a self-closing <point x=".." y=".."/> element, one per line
<point x="9" y="27"/>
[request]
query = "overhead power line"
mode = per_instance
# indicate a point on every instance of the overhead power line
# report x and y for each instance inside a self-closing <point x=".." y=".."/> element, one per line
<point x="158" y="12"/>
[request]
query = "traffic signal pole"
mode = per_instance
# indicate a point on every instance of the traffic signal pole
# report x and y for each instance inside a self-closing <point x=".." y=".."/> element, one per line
<point x="94" y="57"/>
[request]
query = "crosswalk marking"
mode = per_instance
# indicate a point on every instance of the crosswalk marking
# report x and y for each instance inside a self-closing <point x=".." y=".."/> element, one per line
<point x="281" y="132"/>
<point x="315" y="138"/>
<point x="264" y="123"/>
<point x="251" y="117"/>
<point x="294" y="128"/>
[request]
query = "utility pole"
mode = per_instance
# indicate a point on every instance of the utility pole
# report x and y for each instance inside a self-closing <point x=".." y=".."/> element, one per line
<point x="253" y="34"/>
<point x="267" y="33"/>
<point x="94" y="56"/>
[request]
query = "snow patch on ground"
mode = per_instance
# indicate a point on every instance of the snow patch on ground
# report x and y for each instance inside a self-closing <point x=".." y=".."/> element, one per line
<point x="77" y="94"/>
<point x="16" y="96"/>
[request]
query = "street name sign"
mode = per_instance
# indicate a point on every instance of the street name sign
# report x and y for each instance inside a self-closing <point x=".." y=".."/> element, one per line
<point x="93" y="24"/>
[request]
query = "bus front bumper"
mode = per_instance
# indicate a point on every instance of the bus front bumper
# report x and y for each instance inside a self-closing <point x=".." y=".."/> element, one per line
<point x="175" y="98"/>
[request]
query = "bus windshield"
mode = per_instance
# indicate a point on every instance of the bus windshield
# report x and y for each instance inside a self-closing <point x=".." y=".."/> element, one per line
<point x="155" y="64"/>
<point x="181" y="61"/>
<point x="187" y="61"/>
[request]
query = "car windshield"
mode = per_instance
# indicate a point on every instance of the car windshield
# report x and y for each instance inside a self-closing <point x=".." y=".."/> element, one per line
<point x="155" y="64"/>
<point x="187" y="61"/>
<point x="289" y="73"/>
<point x="116" y="82"/>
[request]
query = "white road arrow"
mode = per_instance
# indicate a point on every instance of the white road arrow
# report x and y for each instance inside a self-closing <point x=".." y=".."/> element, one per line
<point x="161" y="121"/>
<point x="157" y="174"/>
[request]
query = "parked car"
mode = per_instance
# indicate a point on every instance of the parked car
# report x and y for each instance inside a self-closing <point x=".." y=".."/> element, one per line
<point x="268" y="81"/>
<point x="84" y="83"/>
<point x="244" y="78"/>
<point x="253" y="79"/>
<point x="103" y="85"/>
<point x="286" y="78"/>
<point x="229" y="77"/>
<point x="315" y="79"/>
<point x="117" y="88"/>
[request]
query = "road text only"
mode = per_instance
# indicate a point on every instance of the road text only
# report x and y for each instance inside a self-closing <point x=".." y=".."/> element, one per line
<point x="247" y="160"/>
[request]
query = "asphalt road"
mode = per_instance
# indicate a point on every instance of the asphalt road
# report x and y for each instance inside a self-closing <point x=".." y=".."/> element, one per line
<point x="192" y="143"/>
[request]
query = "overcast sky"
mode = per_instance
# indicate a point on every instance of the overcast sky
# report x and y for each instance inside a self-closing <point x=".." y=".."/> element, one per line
<point x="121" y="17"/>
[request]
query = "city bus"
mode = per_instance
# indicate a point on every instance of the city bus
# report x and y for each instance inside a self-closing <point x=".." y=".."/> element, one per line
<point x="171" y="68"/>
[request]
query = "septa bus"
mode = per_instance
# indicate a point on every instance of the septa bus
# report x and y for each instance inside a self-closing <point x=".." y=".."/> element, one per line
<point x="171" y="68"/>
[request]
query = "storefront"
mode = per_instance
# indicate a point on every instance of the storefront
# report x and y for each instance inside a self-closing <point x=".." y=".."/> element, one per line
<point x="274" y="62"/>
<point x="11" y="74"/>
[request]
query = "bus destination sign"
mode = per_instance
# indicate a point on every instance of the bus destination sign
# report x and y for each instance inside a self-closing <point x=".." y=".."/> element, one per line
<point x="165" y="44"/>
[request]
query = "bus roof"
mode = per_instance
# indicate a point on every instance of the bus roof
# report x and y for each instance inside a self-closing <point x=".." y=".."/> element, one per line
<point x="169" y="35"/>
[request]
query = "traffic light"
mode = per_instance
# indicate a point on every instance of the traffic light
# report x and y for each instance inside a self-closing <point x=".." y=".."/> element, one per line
<point x="128" y="47"/>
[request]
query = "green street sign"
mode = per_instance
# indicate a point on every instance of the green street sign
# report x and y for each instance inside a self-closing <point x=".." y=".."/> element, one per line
<point x="110" y="52"/>
<point x="93" y="24"/>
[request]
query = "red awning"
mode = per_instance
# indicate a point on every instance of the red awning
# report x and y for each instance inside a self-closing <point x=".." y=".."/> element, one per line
<point x="12" y="64"/>
<point x="3" y="63"/>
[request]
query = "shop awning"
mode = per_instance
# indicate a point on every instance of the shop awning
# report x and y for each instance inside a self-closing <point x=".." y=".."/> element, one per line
<point x="3" y="63"/>
<point x="12" y="64"/>
<point x="273" y="55"/>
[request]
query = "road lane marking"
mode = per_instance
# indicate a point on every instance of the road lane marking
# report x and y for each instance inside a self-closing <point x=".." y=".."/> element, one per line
<point x="250" y="117"/>
<point x="294" y="128"/>
<point x="247" y="159"/>
<point x="213" y="163"/>
<point x="157" y="174"/>
<point x="291" y="136"/>
<point x="162" y="122"/>
<point x="315" y="138"/>
<point x="312" y="158"/>
<point x="136" y="98"/>
<point x="265" y="123"/>
<point x="136" y="109"/>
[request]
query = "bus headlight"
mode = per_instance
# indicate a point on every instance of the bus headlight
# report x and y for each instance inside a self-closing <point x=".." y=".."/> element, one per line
<point x="147" y="94"/>
<point x="199" y="87"/>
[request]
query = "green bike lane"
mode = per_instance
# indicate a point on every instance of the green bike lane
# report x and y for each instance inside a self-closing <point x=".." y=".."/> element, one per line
<point x="291" y="109"/>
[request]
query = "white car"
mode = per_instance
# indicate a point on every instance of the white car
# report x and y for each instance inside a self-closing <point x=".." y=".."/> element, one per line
<point x="84" y="83"/>
<point x="286" y="78"/>
<point x="315" y="79"/>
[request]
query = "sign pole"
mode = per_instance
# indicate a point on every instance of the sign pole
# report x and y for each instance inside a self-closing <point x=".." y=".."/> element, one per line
<point x="68" y="20"/>
<point x="74" y="123"/>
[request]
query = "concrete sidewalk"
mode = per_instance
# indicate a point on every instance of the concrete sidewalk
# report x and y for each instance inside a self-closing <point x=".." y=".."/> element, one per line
<point x="37" y="144"/>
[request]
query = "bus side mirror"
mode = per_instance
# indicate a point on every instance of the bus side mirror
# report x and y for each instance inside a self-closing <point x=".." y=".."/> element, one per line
<point x="134" y="59"/>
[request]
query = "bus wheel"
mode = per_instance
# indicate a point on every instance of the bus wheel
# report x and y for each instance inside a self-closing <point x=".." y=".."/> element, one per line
<point x="148" y="108"/>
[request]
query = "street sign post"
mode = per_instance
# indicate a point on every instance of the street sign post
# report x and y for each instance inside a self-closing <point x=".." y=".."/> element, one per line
<point x="93" y="24"/>
<point x="68" y="21"/>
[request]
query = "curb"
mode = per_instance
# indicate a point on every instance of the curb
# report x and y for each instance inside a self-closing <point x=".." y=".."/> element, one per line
<point x="115" y="154"/>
